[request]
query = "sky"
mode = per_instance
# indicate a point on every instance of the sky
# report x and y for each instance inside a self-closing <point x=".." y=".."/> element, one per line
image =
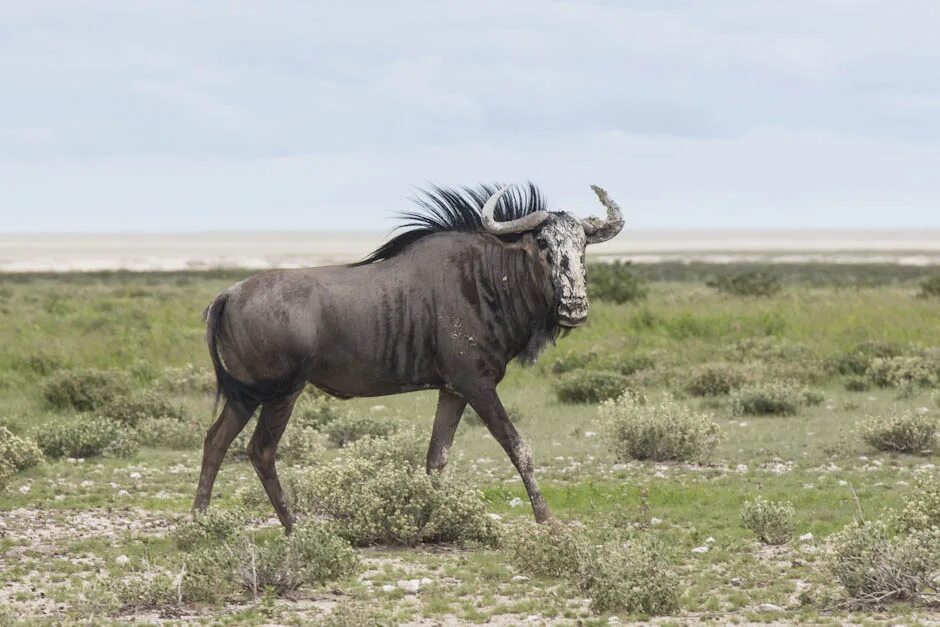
<point x="193" y="116"/>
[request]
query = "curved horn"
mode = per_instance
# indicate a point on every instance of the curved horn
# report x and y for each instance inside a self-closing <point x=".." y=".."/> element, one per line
<point x="598" y="229"/>
<point x="525" y="223"/>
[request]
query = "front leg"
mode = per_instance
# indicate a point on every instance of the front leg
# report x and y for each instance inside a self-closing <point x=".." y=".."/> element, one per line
<point x="486" y="403"/>
<point x="449" y="410"/>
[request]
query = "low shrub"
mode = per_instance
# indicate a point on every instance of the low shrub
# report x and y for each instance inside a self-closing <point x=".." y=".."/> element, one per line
<point x="875" y="566"/>
<point x="302" y="445"/>
<point x="922" y="509"/>
<point x="771" y="521"/>
<point x="373" y="501"/>
<point x="351" y="614"/>
<point x="188" y="379"/>
<point x="767" y="399"/>
<point x="930" y="288"/>
<point x="914" y="370"/>
<point x="545" y="550"/>
<point x="311" y="555"/>
<point x="590" y="386"/>
<point x="405" y="447"/>
<point x="347" y="428"/>
<point x="86" y="436"/>
<point x="130" y="409"/>
<point x="84" y="389"/>
<point x="857" y="360"/>
<point x="635" y="577"/>
<point x="902" y="432"/>
<point x="316" y="412"/>
<point x="615" y="282"/>
<point x="748" y="283"/>
<point x="153" y="590"/>
<point x="211" y="527"/>
<point x="662" y="431"/>
<point x="16" y="454"/>
<point x="170" y="433"/>
<point x="716" y="379"/>
<point x="570" y="360"/>
<point x="857" y="384"/>
<point x="632" y="364"/>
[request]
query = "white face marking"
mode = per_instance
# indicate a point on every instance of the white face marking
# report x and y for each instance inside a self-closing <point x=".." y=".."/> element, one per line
<point x="563" y="240"/>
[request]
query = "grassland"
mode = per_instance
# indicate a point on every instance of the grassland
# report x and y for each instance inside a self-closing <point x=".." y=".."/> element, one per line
<point x="66" y="525"/>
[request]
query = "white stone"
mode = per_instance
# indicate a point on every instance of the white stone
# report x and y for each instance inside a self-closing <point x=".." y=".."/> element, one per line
<point x="122" y="560"/>
<point x="806" y="537"/>
<point x="709" y="540"/>
<point x="71" y="460"/>
<point x="590" y="434"/>
<point x="388" y="588"/>
<point x="769" y="607"/>
<point x="618" y="467"/>
<point x="700" y="549"/>
<point x="494" y="517"/>
<point x="742" y="468"/>
<point x="843" y="482"/>
<point x="656" y="521"/>
<point x="533" y="618"/>
<point x="613" y="620"/>
<point x="659" y="474"/>
<point x="134" y="475"/>
<point x="411" y="586"/>
<point x="515" y="502"/>
<point x="24" y="489"/>
<point x="519" y="578"/>
<point x="124" y="493"/>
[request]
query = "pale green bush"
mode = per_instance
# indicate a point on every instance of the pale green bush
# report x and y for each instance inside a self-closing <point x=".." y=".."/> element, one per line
<point x="915" y="371"/>
<point x="209" y="528"/>
<point x="130" y="409"/>
<point x="590" y="386"/>
<point x="379" y="494"/>
<point x="875" y="566"/>
<point x="771" y="521"/>
<point x="635" y="577"/>
<point x="902" y="432"/>
<point x="311" y="555"/>
<point x="659" y="431"/>
<point x="303" y="445"/>
<point x="767" y="399"/>
<point x="188" y="379"/>
<point x="86" y="436"/>
<point x="716" y="379"/>
<point x="348" y="428"/>
<point x="316" y="412"/>
<point x="922" y="509"/>
<point x="545" y="550"/>
<point x="16" y="454"/>
<point x="84" y="389"/>
<point x="170" y="433"/>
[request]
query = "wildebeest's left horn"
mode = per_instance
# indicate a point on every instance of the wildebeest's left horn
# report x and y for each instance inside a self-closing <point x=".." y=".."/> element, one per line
<point x="598" y="229"/>
<point x="525" y="223"/>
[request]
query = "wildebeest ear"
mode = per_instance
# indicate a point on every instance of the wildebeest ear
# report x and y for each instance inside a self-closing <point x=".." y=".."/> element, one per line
<point x="600" y="230"/>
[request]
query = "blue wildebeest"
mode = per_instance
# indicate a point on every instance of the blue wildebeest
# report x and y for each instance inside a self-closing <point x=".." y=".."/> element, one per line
<point x="478" y="278"/>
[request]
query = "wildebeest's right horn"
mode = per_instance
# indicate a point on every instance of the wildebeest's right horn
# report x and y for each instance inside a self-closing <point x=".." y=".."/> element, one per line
<point x="525" y="223"/>
<point x="598" y="229"/>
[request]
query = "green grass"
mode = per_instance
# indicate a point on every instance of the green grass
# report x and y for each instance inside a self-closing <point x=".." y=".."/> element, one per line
<point x="143" y="323"/>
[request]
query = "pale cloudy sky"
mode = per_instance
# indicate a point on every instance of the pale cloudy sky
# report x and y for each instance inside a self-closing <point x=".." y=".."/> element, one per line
<point x="186" y="116"/>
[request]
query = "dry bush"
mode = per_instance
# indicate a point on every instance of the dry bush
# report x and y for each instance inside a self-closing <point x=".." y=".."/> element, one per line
<point x="545" y="550"/>
<point x="903" y="432"/>
<point x="84" y="389"/>
<point x="912" y="371"/>
<point x="771" y="521"/>
<point x="716" y="379"/>
<point x="188" y="379"/>
<point x="379" y="493"/>
<point x="302" y="445"/>
<point x="767" y="399"/>
<point x="658" y="431"/>
<point x="590" y="386"/>
<point x="131" y="409"/>
<point x="170" y="433"/>
<point x="922" y="509"/>
<point x="348" y="428"/>
<point x="635" y="577"/>
<point x="16" y="454"/>
<point x="211" y="527"/>
<point x="86" y="436"/>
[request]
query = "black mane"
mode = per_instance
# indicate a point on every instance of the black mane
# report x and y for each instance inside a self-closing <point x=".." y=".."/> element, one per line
<point x="443" y="209"/>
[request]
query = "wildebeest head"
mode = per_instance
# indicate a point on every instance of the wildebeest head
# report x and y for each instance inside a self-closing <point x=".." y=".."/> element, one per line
<point x="562" y="240"/>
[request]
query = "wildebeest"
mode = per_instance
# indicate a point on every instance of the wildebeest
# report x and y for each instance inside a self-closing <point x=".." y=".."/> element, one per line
<point x="478" y="278"/>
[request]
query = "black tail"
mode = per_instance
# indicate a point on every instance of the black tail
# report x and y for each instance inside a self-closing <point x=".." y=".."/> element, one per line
<point x="227" y="386"/>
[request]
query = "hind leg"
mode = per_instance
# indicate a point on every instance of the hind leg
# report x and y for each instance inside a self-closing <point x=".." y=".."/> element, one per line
<point x="449" y="410"/>
<point x="219" y="437"/>
<point x="263" y="447"/>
